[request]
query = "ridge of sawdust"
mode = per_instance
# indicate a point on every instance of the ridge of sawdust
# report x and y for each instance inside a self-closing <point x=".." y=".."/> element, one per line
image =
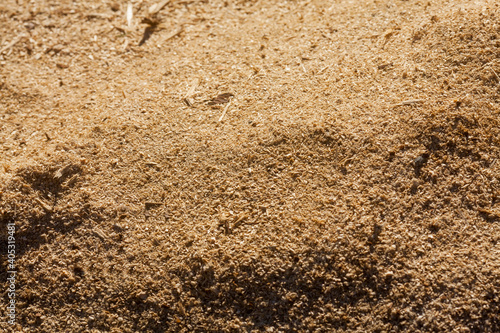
<point x="310" y="216"/>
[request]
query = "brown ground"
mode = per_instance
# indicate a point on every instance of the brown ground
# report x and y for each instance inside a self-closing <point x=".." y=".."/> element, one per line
<point x="321" y="202"/>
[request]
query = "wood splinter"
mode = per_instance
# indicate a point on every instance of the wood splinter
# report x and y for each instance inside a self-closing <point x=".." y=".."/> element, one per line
<point x="409" y="102"/>
<point x="225" y="111"/>
<point x="155" y="8"/>
<point x="44" y="205"/>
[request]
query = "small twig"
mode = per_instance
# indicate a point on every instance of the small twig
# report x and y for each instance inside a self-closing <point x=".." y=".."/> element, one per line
<point x="224" y="112"/>
<point x="409" y="102"/>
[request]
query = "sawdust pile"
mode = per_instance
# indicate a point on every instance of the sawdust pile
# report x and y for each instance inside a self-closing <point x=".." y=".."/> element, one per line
<point x="251" y="166"/>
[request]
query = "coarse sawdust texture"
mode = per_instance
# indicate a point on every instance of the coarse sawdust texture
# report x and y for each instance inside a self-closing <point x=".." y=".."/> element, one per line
<point x="260" y="166"/>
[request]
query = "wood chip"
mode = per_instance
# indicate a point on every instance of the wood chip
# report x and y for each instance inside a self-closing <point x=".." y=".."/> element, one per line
<point x="155" y="8"/>
<point x="221" y="99"/>
<point x="62" y="172"/>
<point x="72" y="181"/>
<point x="44" y="205"/>
<point x="384" y="66"/>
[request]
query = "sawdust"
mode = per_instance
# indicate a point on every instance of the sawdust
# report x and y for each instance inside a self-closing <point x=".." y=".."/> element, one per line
<point x="251" y="165"/>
